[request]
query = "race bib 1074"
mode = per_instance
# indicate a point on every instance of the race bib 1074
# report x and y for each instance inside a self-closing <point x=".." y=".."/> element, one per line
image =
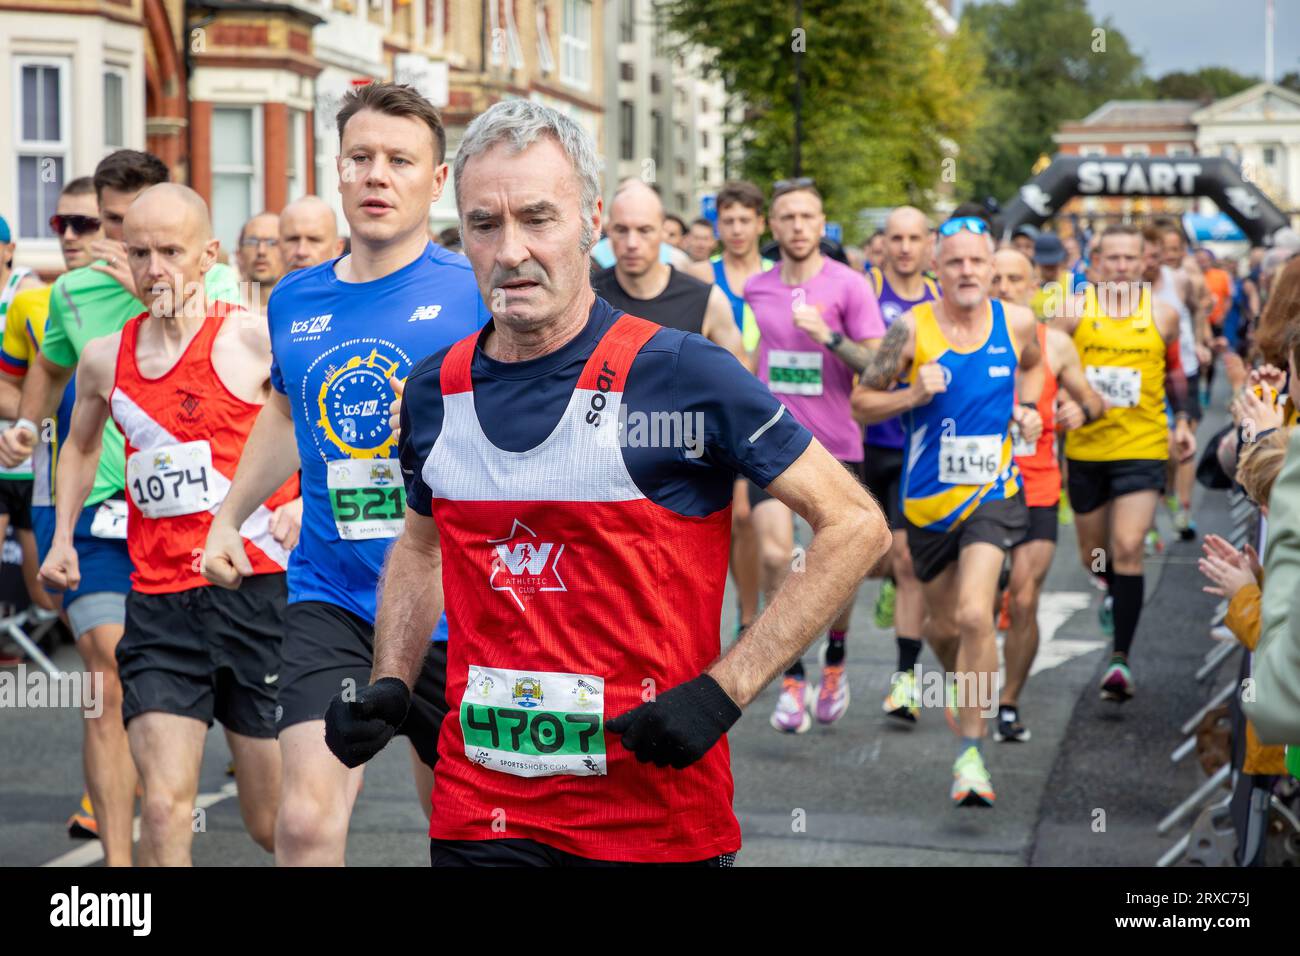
<point x="534" y="723"/>
<point x="172" y="480"/>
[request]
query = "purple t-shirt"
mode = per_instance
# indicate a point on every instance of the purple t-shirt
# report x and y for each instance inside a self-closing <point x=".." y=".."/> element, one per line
<point x="808" y="378"/>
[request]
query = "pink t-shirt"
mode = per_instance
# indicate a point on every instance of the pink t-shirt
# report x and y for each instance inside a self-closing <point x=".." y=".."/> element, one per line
<point x="808" y="378"/>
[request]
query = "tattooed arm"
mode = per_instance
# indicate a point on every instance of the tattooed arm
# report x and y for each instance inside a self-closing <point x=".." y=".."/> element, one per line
<point x="891" y="359"/>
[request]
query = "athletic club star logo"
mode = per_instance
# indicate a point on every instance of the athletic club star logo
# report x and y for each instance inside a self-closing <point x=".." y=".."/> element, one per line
<point x="523" y="565"/>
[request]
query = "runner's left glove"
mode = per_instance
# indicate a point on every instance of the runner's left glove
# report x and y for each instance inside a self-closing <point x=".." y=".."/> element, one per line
<point x="680" y="726"/>
<point x="357" y="730"/>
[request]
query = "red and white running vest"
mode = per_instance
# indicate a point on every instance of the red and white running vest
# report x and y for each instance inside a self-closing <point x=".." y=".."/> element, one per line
<point x="184" y="434"/>
<point x="570" y="598"/>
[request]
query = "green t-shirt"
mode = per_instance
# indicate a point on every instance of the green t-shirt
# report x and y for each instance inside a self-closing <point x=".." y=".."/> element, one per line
<point x="88" y="304"/>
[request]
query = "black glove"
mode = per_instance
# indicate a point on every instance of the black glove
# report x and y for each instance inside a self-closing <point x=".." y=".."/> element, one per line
<point x="357" y="730"/>
<point x="680" y="727"/>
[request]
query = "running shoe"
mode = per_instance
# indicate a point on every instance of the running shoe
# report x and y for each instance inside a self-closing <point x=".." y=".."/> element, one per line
<point x="1004" y="613"/>
<point x="82" y="825"/>
<point x="1117" y="683"/>
<point x="971" y="786"/>
<point x="1185" y="526"/>
<point x="950" y="711"/>
<point x="904" y="700"/>
<point x="1171" y="502"/>
<point x="832" y="693"/>
<point x="885" y="605"/>
<point x="1009" y="728"/>
<point x="791" y="713"/>
<point x="1153" y="545"/>
<point x="1106" y="616"/>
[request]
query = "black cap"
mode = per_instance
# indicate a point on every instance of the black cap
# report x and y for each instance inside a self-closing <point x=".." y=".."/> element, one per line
<point x="1049" y="250"/>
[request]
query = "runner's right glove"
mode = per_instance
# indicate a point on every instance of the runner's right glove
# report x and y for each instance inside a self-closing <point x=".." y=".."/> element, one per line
<point x="357" y="730"/>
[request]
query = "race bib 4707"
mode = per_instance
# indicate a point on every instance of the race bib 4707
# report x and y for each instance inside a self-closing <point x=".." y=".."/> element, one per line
<point x="534" y="723"/>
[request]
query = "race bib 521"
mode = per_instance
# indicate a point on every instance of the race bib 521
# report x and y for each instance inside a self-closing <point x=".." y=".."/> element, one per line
<point x="367" y="497"/>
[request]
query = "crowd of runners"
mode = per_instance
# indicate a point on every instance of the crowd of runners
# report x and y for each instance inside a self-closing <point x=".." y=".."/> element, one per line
<point x="485" y="493"/>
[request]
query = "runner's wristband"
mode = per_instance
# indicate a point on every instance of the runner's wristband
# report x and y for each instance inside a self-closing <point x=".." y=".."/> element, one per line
<point x="28" y="425"/>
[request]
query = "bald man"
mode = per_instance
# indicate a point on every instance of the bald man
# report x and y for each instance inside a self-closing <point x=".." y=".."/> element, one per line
<point x="1014" y="281"/>
<point x="641" y="285"/>
<point x="191" y="652"/>
<point x="309" y="233"/>
<point x="259" y="260"/>
<point x="900" y="283"/>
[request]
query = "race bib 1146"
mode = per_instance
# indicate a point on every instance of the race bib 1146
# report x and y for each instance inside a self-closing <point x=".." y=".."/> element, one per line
<point x="969" y="459"/>
<point x="534" y="723"/>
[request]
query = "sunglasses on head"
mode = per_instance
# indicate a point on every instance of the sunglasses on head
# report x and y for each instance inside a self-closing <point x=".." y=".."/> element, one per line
<point x="78" y="224"/>
<point x="970" y="223"/>
<point x="785" y="185"/>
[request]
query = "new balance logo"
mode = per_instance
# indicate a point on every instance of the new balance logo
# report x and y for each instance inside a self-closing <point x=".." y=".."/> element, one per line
<point x="425" y="312"/>
<point x="313" y="326"/>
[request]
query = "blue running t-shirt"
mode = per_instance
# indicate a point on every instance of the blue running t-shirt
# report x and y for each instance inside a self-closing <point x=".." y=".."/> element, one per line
<point x="334" y="345"/>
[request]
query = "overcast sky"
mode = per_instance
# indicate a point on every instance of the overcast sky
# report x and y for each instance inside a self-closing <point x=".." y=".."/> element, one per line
<point x="1189" y="34"/>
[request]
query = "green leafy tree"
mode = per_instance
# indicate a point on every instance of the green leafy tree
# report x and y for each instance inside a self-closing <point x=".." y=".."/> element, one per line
<point x="889" y="103"/>
<point x="1050" y="62"/>
<point x="1207" y="83"/>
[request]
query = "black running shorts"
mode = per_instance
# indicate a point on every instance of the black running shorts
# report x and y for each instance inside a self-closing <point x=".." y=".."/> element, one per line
<point x="1092" y="484"/>
<point x="509" y="851"/>
<point x="324" y="645"/>
<point x="206" y="653"/>
<point x="1043" y="523"/>
<point x="882" y="473"/>
<point x="1002" y="523"/>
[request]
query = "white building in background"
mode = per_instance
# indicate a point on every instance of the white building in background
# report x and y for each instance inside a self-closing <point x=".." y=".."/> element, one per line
<point x="664" y="123"/>
<point x="1260" y="129"/>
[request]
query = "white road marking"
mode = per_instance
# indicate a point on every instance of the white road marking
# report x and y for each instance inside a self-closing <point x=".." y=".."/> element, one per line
<point x="92" y="852"/>
<point x="1054" y="609"/>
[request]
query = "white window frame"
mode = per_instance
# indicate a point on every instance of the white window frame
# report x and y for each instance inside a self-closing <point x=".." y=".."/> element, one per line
<point x="1179" y="151"/>
<point x="514" y="50"/>
<point x="545" y="61"/>
<point x="256" y="187"/>
<point x="575" y="47"/>
<point x="123" y="73"/>
<point x="1136" y="152"/>
<point x="60" y="148"/>
<point x="296" y="186"/>
<point x="1092" y="152"/>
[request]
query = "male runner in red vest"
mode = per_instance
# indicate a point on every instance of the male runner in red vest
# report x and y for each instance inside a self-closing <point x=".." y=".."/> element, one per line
<point x="580" y="550"/>
<point x="183" y="382"/>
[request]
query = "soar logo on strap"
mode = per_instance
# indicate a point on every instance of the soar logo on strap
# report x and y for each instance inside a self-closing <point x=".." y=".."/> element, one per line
<point x="346" y="395"/>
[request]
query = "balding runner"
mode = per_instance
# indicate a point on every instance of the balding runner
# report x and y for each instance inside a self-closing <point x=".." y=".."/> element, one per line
<point x="259" y="259"/>
<point x="1117" y="463"/>
<point x="582" y="572"/>
<point x="900" y="284"/>
<point x="1040" y="471"/>
<point x="817" y="321"/>
<point x="191" y="652"/>
<point x="641" y="285"/>
<point x="309" y="233"/>
<point x="964" y="357"/>
<point x="85" y="304"/>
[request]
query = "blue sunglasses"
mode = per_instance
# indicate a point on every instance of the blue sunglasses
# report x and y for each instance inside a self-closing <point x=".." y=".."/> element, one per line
<point x="972" y="223"/>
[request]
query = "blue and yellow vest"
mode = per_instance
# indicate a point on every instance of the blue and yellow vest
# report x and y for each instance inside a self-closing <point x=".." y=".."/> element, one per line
<point x="964" y="430"/>
<point x="740" y="309"/>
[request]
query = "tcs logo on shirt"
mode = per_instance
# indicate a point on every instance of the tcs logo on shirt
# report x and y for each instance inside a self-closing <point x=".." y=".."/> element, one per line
<point x="346" y="395"/>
